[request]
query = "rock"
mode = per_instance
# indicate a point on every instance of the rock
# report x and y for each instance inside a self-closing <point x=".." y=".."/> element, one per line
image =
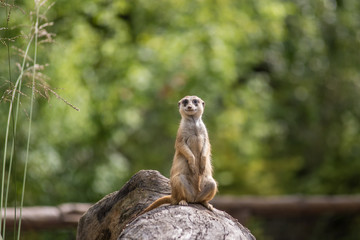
<point x="185" y="222"/>
<point x="114" y="217"/>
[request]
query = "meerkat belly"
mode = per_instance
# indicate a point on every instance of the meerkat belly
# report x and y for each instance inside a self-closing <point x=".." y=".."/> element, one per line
<point x="195" y="144"/>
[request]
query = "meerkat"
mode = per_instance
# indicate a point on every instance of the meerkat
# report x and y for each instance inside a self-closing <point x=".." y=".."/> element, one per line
<point x="191" y="172"/>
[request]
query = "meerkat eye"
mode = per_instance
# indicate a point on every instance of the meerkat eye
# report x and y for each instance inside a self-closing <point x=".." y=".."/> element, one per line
<point x="185" y="102"/>
<point x="195" y="101"/>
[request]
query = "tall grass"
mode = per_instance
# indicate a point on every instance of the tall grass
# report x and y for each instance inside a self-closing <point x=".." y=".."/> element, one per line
<point x="8" y="8"/>
<point x="36" y="31"/>
<point x="28" y="70"/>
<point x="17" y="86"/>
<point x="16" y="90"/>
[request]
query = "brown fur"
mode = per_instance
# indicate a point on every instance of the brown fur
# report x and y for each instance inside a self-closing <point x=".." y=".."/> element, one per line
<point x="191" y="172"/>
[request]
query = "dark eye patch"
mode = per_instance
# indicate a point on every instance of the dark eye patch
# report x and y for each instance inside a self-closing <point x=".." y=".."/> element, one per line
<point x="185" y="102"/>
<point x="195" y="102"/>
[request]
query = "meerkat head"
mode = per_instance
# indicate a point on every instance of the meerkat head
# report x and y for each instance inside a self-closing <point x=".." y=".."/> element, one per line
<point x="191" y="106"/>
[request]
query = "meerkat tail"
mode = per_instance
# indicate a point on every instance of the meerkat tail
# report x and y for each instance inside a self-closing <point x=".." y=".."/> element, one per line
<point x="157" y="203"/>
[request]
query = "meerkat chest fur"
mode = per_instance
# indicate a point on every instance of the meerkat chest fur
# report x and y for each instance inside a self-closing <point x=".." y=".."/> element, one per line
<point x="195" y="135"/>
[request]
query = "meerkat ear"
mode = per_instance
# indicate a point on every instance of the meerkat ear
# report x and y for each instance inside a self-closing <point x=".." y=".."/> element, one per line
<point x="179" y="104"/>
<point x="203" y="103"/>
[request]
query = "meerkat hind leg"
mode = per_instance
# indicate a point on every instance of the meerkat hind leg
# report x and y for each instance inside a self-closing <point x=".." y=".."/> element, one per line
<point x="208" y="191"/>
<point x="183" y="203"/>
<point x="208" y="205"/>
<point x="183" y="189"/>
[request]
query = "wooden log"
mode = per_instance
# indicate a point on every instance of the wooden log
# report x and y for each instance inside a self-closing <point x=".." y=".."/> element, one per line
<point x="186" y="222"/>
<point x="115" y="216"/>
<point x="108" y="217"/>
<point x="42" y="218"/>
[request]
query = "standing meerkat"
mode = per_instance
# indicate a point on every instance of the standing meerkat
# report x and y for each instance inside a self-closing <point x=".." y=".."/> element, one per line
<point x="191" y="172"/>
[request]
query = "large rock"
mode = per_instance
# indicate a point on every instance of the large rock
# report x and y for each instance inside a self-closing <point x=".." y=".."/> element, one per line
<point x="114" y="217"/>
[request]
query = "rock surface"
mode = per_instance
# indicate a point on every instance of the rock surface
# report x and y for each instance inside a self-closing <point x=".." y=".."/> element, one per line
<point x="114" y="216"/>
<point x="185" y="222"/>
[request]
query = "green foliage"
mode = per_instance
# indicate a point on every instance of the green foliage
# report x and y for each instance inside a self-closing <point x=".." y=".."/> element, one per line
<point x="280" y="80"/>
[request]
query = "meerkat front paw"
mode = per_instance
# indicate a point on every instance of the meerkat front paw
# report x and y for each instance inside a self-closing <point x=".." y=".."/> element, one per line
<point x="183" y="203"/>
<point x="192" y="168"/>
<point x="201" y="169"/>
<point x="202" y="164"/>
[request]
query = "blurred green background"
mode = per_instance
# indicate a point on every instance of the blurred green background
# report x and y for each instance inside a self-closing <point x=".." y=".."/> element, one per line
<point x="280" y="80"/>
